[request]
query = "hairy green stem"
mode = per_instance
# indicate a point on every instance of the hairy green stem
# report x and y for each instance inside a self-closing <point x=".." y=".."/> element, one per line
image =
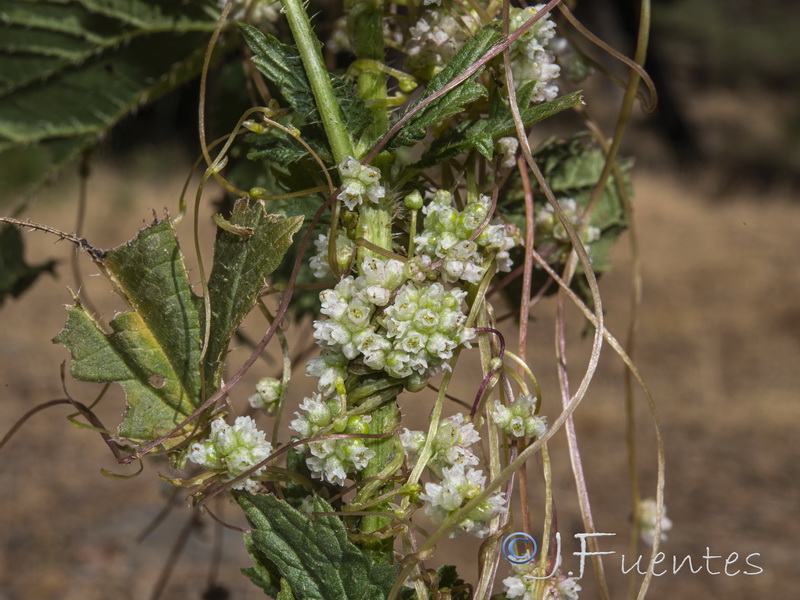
<point x="329" y="109"/>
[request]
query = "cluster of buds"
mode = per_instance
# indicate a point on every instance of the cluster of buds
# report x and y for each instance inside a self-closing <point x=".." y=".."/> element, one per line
<point x="233" y="449"/>
<point x="531" y="60"/>
<point x="268" y="394"/>
<point x="332" y="459"/>
<point x="415" y="334"/>
<point x="518" y="420"/>
<point x="434" y="40"/>
<point x="523" y="584"/>
<point x="453" y="461"/>
<point x="648" y="515"/>
<point x="447" y="236"/>
<point x="359" y="183"/>
<point x="550" y="234"/>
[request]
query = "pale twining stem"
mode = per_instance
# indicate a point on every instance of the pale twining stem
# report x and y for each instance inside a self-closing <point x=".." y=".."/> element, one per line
<point x="311" y="55"/>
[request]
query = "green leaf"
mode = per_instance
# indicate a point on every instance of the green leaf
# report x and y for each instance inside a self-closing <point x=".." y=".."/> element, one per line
<point x="313" y="554"/>
<point x="482" y="133"/>
<point x="241" y="265"/>
<point x="286" y="591"/>
<point x="16" y="275"/>
<point x="453" y="101"/>
<point x="70" y="70"/>
<point x="282" y="66"/>
<point x="153" y="352"/>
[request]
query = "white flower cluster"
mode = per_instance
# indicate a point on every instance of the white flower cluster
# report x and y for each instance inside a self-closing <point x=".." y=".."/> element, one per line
<point x="523" y="584"/>
<point x="453" y="462"/>
<point x="446" y="236"/>
<point x="416" y="333"/>
<point x="531" y="60"/>
<point x="232" y="450"/>
<point x="332" y="460"/>
<point x="425" y="324"/>
<point x="359" y="183"/>
<point x="268" y="393"/>
<point x="518" y="420"/>
<point x="451" y="445"/>
<point x="434" y="40"/>
<point x="345" y="247"/>
<point x="648" y="515"/>
<point x="551" y="236"/>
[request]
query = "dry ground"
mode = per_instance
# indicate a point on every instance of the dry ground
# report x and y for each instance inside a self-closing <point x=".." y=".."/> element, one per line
<point x="719" y="343"/>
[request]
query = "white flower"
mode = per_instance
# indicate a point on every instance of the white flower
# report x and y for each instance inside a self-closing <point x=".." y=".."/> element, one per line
<point x="268" y="393"/>
<point x="331" y="460"/>
<point x="232" y="450"/>
<point x="648" y="515"/>
<point x="359" y="182"/>
<point x="550" y="237"/>
<point x="531" y="61"/>
<point x="518" y="420"/>
<point x="329" y="366"/>
<point x="435" y="39"/>
<point x="507" y="148"/>
<point x="458" y="486"/>
<point x="523" y="584"/>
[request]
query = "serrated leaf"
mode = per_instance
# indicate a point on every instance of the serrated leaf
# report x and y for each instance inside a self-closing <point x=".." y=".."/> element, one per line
<point x="16" y="275"/>
<point x="314" y="555"/>
<point x="69" y="71"/>
<point x="282" y="66"/>
<point x="453" y="101"/>
<point x="153" y="352"/>
<point x="241" y="266"/>
<point x="482" y="133"/>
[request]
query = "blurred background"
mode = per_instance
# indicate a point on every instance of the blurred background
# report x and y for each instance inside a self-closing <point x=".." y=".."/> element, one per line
<point x="716" y="183"/>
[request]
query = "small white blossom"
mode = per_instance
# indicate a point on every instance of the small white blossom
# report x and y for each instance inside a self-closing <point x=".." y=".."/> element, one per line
<point x="648" y="515"/>
<point x="446" y="235"/>
<point x="329" y="366"/>
<point x="550" y="237"/>
<point x="507" y="148"/>
<point x="523" y="584"/>
<point x="518" y="420"/>
<point x="359" y="183"/>
<point x="434" y="40"/>
<point x="531" y="61"/>
<point x="232" y="450"/>
<point x="331" y="460"/>
<point x="268" y="393"/>
<point x="457" y="487"/>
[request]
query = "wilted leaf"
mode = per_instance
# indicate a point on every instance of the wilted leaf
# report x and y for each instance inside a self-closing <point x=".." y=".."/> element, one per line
<point x="152" y="352"/>
<point x="312" y="554"/>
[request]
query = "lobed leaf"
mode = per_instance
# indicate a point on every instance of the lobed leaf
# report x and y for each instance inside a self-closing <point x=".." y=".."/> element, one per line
<point x="153" y="352"/>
